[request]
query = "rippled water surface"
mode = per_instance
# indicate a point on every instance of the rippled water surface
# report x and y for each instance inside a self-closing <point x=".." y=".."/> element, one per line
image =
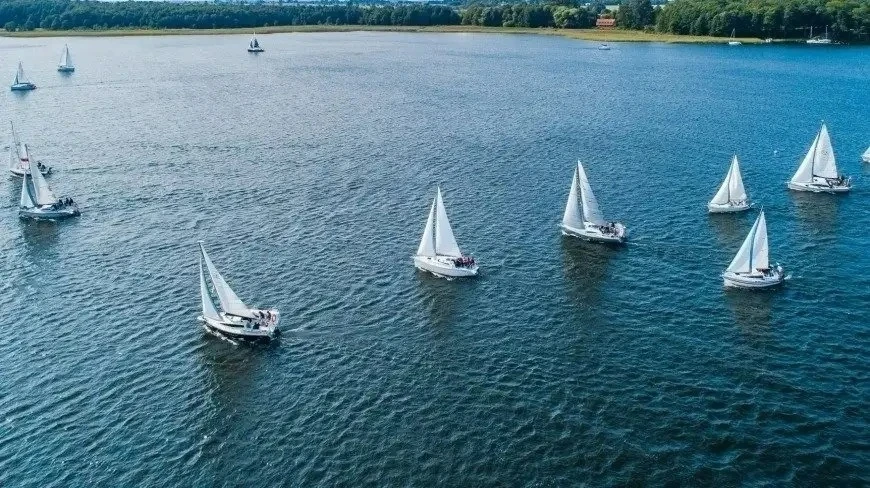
<point x="309" y="170"/>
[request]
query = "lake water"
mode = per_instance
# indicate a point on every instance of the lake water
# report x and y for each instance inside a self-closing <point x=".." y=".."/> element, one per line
<point x="309" y="171"/>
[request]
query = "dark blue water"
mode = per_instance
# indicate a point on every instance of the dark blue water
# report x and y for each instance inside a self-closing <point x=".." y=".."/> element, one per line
<point x="309" y="171"/>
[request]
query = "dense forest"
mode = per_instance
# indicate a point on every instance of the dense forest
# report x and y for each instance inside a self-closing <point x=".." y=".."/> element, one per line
<point x="848" y="20"/>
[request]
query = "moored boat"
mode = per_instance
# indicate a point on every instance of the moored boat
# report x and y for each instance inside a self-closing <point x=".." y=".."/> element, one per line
<point x="234" y="319"/>
<point x="21" y="83"/>
<point x="751" y="268"/>
<point x="438" y="252"/>
<point x="731" y="196"/>
<point x="818" y="170"/>
<point x="734" y="41"/>
<point x="583" y="217"/>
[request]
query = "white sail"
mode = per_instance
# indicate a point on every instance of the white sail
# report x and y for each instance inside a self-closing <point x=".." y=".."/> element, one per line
<point x="209" y="311"/>
<point x="760" y="248"/>
<point x="19" y="75"/>
<point x="26" y="201"/>
<point x="591" y="212"/>
<point x="866" y="155"/>
<point x="572" y="217"/>
<point x="753" y="253"/>
<point x="427" y="243"/>
<point x="445" y="242"/>
<point x="230" y="302"/>
<point x="804" y="173"/>
<point x="65" y="58"/>
<point x="44" y="195"/>
<point x="14" y="162"/>
<point x="723" y="196"/>
<point x="735" y="186"/>
<point x="825" y="164"/>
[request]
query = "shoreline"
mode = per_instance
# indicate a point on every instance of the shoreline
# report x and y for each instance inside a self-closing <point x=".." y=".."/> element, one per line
<point x="615" y="35"/>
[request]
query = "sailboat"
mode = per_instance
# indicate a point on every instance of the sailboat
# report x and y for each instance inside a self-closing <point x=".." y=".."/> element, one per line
<point x="750" y="268"/>
<point x="66" y="64"/>
<point x="818" y="39"/>
<point x="588" y="222"/>
<point x="233" y="319"/>
<point x="39" y="202"/>
<point x="19" y="158"/>
<point x="818" y="170"/>
<point x="731" y="196"/>
<point x="254" y="45"/>
<point x="734" y="41"/>
<point x="866" y="156"/>
<point x="604" y="47"/>
<point x="438" y="252"/>
<point x="21" y="83"/>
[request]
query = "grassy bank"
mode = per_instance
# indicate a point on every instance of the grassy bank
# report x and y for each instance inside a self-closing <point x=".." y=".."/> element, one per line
<point x="583" y="34"/>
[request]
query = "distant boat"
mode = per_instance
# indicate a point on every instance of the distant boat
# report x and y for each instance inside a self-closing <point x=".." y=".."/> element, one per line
<point x="818" y="170"/>
<point x="19" y="157"/>
<point x="750" y="268"/>
<point x="66" y="64"/>
<point x="866" y="156"/>
<point x="21" y="83"/>
<point x="734" y="41"/>
<point x="731" y="196"/>
<point x="438" y="252"/>
<point x="769" y="40"/>
<point x="819" y="39"/>
<point x="588" y="222"/>
<point x="40" y="203"/>
<point x="254" y="45"/>
<point x="604" y="47"/>
<point x="234" y="319"/>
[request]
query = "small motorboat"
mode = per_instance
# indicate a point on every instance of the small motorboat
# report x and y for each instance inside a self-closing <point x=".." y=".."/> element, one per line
<point x="438" y="252"/>
<point x="731" y="196"/>
<point x="604" y="47"/>
<point x="583" y="217"/>
<point x="750" y="268"/>
<point x="234" y="319"/>
<point x="21" y="83"/>
<point x="818" y="171"/>
<point x="39" y="202"/>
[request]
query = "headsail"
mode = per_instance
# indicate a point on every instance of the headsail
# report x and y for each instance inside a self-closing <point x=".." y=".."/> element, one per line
<point x="753" y="253"/>
<point x="427" y="243"/>
<point x="866" y="155"/>
<point x="572" y="217"/>
<point x="723" y="196"/>
<point x="44" y="195"/>
<point x="591" y="212"/>
<point x="230" y="302"/>
<point x="19" y="75"/>
<point x="26" y="200"/>
<point x="65" y="58"/>
<point x="209" y="311"/>
<point x="736" y="191"/>
<point x="445" y="242"/>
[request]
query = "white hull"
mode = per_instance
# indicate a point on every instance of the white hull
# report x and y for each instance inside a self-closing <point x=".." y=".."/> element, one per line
<point x="443" y="266"/>
<point x="866" y="159"/>
<point x="735" y="43"/>
<point x="234" y="330"/>
<point x="594" y="234"/>
<point x="817" y="187"/>
<point x="18" y="172"/>
<point x="755" y="280"/>
<point x="48" y="213"/>
<point x="727" y="207"/>
<point x="818" y="41"/>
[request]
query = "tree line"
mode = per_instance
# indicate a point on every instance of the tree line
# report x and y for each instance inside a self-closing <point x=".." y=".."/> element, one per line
<point x="848" y="20"/>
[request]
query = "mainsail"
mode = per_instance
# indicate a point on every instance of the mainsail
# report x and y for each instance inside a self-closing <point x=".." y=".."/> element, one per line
<point x="230" y="302"/>
<point x="572" y="217"/>
<point x="591" y="212"/>
<point x="427" y="243"/>
<point x="445" y="242"/>
<point x="19" y="75"/>
<point x="819" y="160"/>
<point x="43" y="193"/>
<point x="753" y="254"/>
<point x="209" y="311"/>
<point x="254" y="43"/>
